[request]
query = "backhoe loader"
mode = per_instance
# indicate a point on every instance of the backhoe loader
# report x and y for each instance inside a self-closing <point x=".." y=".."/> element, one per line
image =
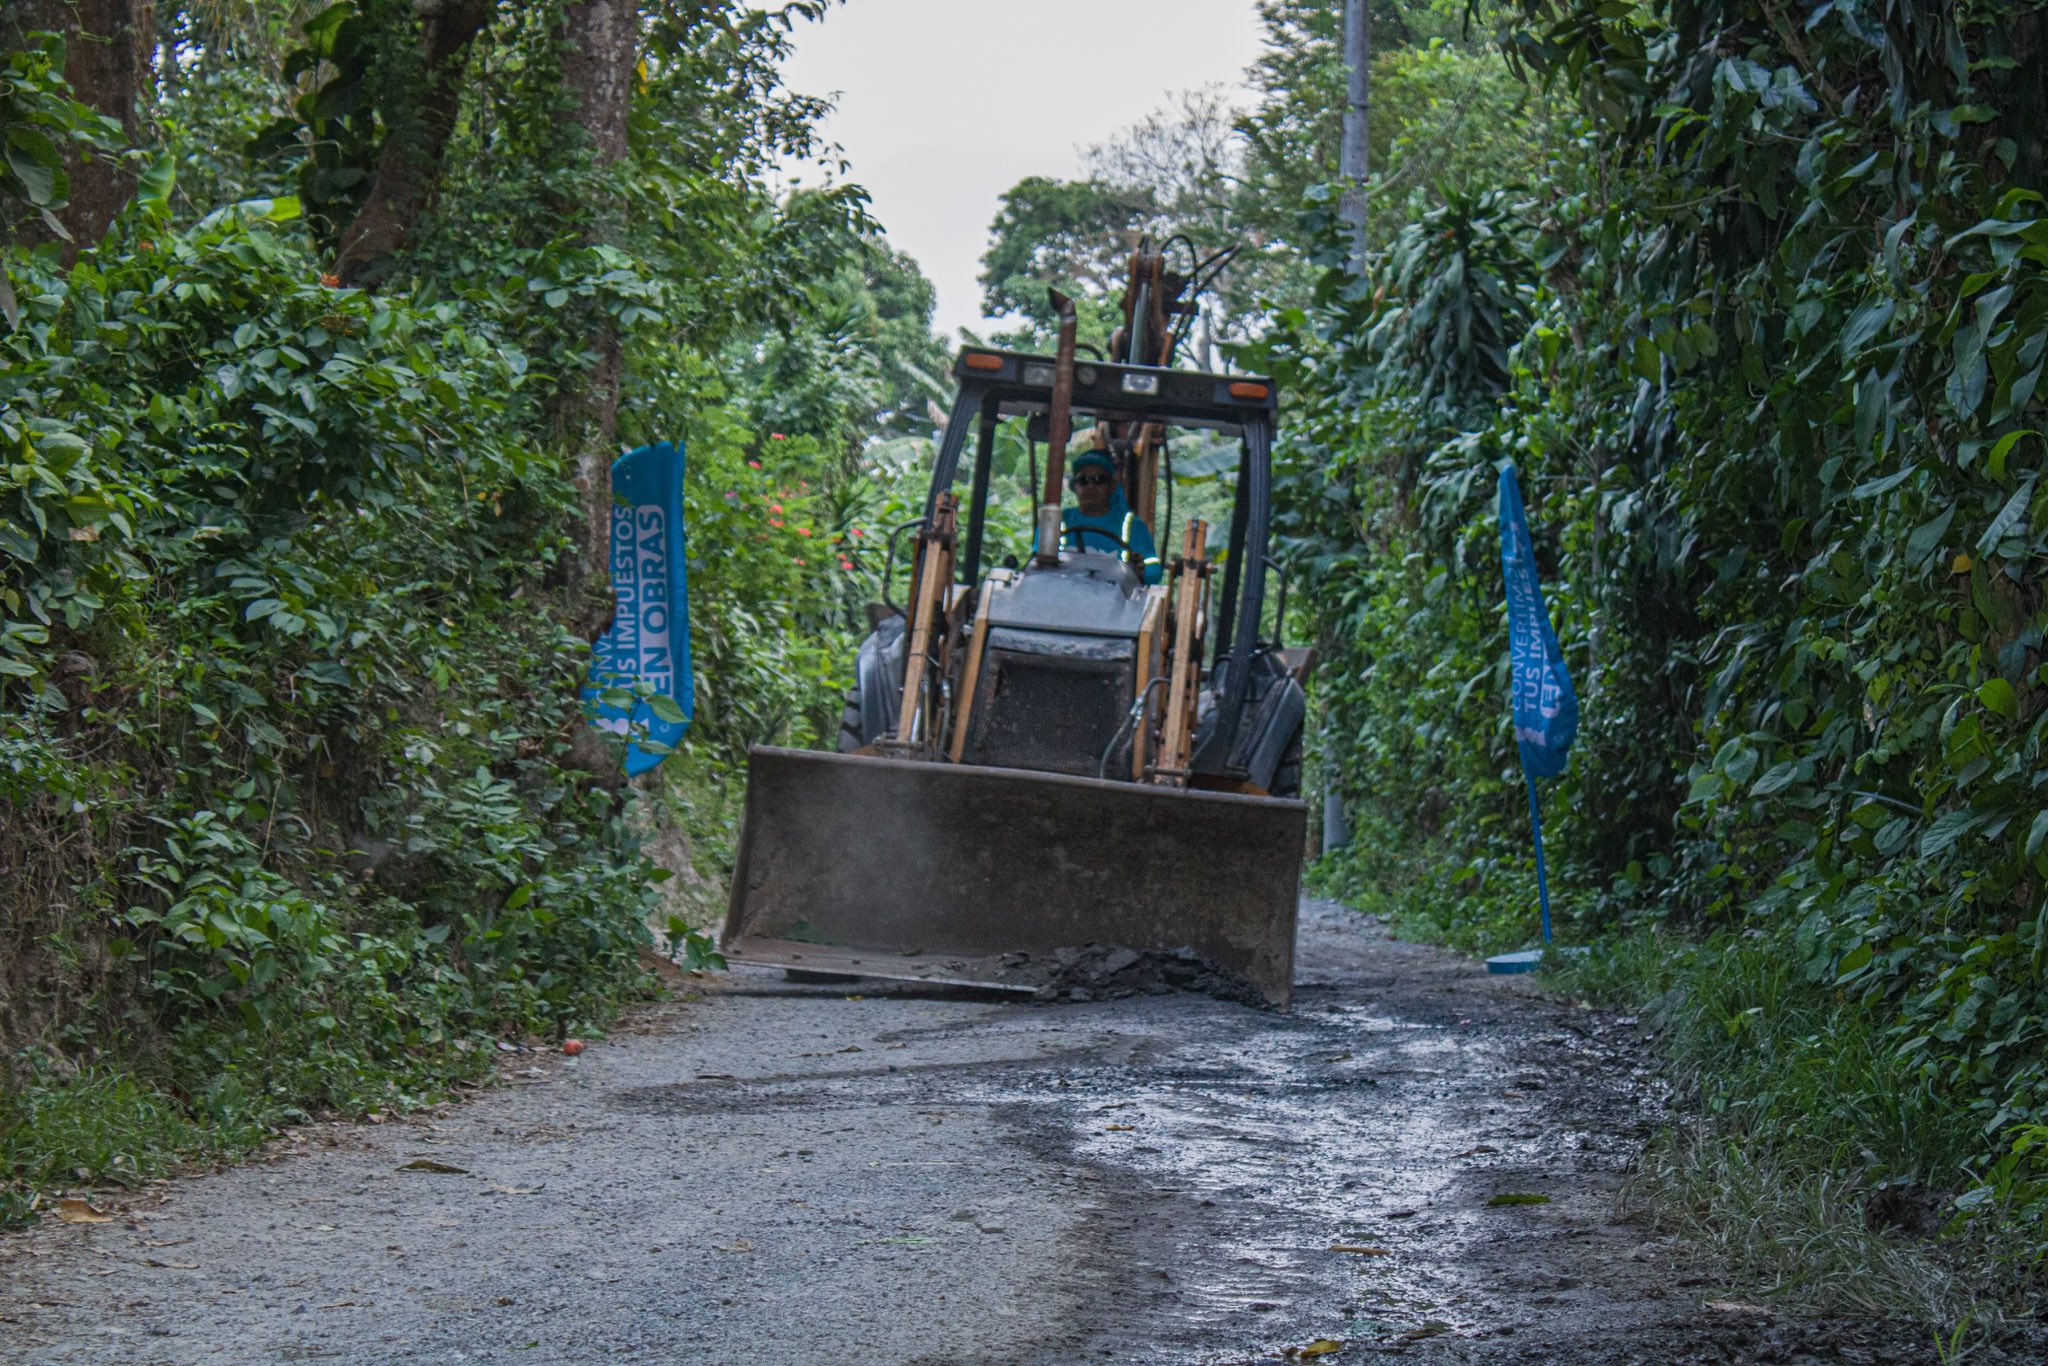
<point x="1044" y="756"/>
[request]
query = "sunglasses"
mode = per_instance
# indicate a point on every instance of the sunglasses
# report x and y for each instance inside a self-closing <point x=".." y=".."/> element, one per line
<point x="1082" y="481"/>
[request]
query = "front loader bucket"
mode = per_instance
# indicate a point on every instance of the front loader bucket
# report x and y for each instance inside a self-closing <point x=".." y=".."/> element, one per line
<point x="935" y="872"/>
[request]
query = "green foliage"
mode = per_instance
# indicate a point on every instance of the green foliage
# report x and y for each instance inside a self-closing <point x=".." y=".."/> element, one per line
<point x="98" y="1128"/>
<point x="1447" y="115"/>
<point x="297" y="809"/>
<point x="1765" y="342"/>
<point x="333" y="132"/>
<point x="262" y="596"/>
<point x="1064" y="233"/>
<point x="38" y="119"/>
<point x="1450" y="121"/>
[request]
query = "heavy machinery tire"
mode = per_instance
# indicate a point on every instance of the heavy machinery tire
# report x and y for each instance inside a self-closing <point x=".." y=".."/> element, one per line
<point x="1287" y="777"/>
<point x="850" y="738"/>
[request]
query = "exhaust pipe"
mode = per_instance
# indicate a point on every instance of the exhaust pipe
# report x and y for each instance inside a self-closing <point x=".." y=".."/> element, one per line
<point x="1059" y="427"/>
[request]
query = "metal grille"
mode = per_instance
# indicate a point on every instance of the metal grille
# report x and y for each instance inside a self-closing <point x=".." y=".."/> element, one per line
<point x="1048" y="713"/>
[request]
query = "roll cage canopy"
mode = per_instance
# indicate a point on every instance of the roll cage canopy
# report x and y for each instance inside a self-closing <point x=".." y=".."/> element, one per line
<point x="998" y="384"/>
<point x="1021" y="383"/>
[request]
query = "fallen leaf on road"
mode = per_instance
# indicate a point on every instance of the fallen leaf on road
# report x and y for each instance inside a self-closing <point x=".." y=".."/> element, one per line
<point x="716" y="1076"/>
<point x="736" y="1245"/>
<point x="1361" y="1249"/>
<point x="171" y="1266"/>
<point x="1321" y="1347"/>
<point x="1400" y="1214"/>
<point x="72" y="1210"/>
<point x="1120" y="1128"/>
<point x="518" y="1190"/>
<point x="1429" y="1329"/>
<point x="1476" y="1150"/>
<point x="1518" y="1198"/>
<point x="1738" y="1307"/>
<point x="428" y="1164"/>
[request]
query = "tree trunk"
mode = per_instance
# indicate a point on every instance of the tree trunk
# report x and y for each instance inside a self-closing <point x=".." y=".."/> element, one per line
<point x="109" y="43"/>
<point x="601" y="46"/>
<point x="409" y="163"/>
<point x="1354" y="163"/>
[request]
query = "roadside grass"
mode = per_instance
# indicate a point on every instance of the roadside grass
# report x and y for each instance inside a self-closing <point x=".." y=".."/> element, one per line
<point x="211" y="1097"/>
<point x="1792" y="1233"/>
<point x="96" y="1129"/>
<point x="216" y="1095"/>
<point x="1808" y="1154"/>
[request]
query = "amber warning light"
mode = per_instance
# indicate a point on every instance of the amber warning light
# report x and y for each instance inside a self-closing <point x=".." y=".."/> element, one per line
<point x="982" y="360"/>
<point x="1244" y="390"/>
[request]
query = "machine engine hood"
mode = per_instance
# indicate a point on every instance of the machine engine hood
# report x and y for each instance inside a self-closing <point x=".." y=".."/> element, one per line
<point x="1087" y="593"/>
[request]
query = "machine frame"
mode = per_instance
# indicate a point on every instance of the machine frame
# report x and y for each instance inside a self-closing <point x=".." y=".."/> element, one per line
<point x="995" y="384"/>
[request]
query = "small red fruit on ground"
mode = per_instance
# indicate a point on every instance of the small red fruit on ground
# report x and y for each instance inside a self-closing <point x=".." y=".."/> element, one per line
<point x="572" y="1046"/>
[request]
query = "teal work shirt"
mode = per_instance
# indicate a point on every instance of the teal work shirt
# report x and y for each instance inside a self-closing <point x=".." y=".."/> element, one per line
<point x="1128" y="527"/>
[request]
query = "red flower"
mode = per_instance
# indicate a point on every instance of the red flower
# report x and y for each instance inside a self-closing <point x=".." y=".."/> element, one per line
<point x="858" y="532"/>
<point x="775" y="507"/>
<point x="777" y="436"/>
<point x="846" y="564"/>
<point x="753" y="464"/>
<point x="774" y="521"/>
<point x="331" y="280"/>
<point x="803" y="531"/>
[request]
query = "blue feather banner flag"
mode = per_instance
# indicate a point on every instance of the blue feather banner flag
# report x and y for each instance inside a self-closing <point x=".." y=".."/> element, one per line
<point x="1546" y="708"/>
<point x="648" y="644"/>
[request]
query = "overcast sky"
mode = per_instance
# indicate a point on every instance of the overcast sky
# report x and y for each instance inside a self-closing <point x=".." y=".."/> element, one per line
<point x="944" y="104"/>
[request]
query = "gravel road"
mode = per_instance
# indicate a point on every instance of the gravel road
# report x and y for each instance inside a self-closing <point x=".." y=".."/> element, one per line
<point x="811" y="1174"/>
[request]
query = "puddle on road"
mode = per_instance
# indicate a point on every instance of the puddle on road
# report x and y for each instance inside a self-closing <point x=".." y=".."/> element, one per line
<point x="1242" y="1172"/>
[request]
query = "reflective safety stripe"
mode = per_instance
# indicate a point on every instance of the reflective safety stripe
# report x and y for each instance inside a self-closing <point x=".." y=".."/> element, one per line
<point x="1079" y="534"/>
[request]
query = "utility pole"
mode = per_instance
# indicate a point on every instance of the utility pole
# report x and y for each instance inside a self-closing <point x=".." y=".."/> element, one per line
<point x="1353" y="161"/>
<point x="1352" y="166"/>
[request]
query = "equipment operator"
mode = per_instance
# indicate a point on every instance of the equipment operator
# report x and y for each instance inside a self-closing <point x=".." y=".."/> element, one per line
<point x="1102" y="508"/>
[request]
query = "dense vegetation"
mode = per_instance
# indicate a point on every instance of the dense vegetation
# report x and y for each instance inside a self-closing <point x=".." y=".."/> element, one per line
<point x="297" y="810"/>
<point x="1763" y="330"/>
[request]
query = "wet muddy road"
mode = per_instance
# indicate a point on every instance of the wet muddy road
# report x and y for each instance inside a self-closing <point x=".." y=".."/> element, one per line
<point x="788" y="1174"/>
